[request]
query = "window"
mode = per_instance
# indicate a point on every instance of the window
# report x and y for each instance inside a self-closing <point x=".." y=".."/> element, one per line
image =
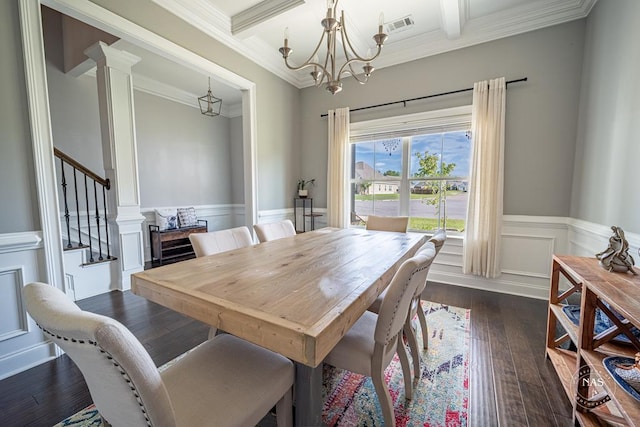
<point x="415" y="165"/>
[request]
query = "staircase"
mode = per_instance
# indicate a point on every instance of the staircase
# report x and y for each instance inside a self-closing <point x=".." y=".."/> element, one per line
<point x="85" y="229"/>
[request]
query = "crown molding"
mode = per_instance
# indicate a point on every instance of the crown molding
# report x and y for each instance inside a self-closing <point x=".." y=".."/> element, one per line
<point x="153" y="87"/>
<point x="261" y="12"/>
<point x="206" y="18"/>
<point x="517" y="20"/>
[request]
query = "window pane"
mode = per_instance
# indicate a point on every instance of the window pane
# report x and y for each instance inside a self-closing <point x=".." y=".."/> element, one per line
<point x="456" y="150"/>
<point x="438" y="204"/>
<point x="425" y="154"/>
<point x="375" y="198"/>
<point x="378" y="160"/>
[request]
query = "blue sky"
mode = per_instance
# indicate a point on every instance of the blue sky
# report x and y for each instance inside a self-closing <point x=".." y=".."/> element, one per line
<point x="386" y="155"/>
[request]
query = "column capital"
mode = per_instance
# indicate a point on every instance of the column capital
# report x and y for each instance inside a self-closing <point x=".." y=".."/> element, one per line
<point x="111" y="57"/>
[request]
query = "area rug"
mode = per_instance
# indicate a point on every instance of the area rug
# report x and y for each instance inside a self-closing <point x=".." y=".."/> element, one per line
<point x="441" y="398"/>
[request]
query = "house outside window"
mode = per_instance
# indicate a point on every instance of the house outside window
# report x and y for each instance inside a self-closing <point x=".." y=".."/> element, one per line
<point x="415" y="165"/>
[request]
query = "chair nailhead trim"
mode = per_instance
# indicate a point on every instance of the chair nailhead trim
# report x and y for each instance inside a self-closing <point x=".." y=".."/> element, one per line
<point x="125" y="376"/>
<point x="395" y="309"/>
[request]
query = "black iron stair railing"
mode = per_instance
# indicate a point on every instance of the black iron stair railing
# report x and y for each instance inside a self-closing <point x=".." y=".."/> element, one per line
<point x="96" y="226"/>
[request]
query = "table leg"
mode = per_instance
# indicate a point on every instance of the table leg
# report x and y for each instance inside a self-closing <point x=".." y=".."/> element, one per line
<point x="308" y="396"/>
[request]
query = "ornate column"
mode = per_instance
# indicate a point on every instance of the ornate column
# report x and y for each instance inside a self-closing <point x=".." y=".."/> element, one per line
<point x="117" y="124"/>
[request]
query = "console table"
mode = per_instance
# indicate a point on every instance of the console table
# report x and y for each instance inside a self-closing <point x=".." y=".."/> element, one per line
<point x="303" y="202"/>
<point x="596" y="398"/>
<point x="173" y="244"/>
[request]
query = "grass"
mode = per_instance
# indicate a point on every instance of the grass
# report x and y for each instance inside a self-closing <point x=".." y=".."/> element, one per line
<point x="395" y="196"/>
<point x="427" y="224"/>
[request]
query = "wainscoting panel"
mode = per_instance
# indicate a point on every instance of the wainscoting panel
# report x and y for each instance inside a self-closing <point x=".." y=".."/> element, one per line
<point x="527" y="246"/>
<point x="13" y="317"/>
<point x="22" y="344"/>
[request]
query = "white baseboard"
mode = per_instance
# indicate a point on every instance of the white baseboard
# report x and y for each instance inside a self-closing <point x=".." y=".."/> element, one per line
<point x="26" y="358"/>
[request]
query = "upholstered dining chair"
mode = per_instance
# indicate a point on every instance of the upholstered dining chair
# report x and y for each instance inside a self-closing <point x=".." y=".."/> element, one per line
<point x="438" y="239"/>
<point x="274" y="230"/>
<point x="368" y="347"/>
<point x="225" y="381"/>
<point x="215" y="242"/>
<point x="387" y="223"/>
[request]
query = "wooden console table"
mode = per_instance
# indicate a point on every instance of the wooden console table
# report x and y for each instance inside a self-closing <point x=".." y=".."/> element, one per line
<point x="596" y="398"/>
<point x="173" y="244"/>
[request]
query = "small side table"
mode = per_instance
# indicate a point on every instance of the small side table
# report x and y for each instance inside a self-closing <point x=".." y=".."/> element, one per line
<point x="303" y="202"/>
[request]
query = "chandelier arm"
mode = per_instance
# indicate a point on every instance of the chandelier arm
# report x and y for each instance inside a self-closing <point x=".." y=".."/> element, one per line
<point x="307" y="62"/>
<point x="350" y="71"/>
<point x="346" y="42"/>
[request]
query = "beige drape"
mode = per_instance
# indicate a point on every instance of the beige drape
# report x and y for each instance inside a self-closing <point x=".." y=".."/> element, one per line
<point x="481" y="253"/>
<point x="338" y="169"/>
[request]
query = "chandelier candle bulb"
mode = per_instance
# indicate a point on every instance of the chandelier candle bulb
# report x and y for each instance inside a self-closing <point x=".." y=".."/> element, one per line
<point x="380" y="22"/>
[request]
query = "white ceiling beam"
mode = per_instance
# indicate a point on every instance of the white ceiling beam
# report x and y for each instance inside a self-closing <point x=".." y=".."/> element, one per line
<point x="261" y="12"/>
<point x="450" y="13"/>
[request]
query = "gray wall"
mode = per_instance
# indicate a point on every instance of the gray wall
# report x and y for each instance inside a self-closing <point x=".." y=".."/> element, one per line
<point x="19" y="211"/>
<point x="541" y="113"/>
<point x="278" y="102"/>
<point x="183" y="156"/>
<point x="607" y="174"/>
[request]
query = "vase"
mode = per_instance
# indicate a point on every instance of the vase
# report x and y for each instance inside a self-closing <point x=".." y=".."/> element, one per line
<point x="303" y="193"/>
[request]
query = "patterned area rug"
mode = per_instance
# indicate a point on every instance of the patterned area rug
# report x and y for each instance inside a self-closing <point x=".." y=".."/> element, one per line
<point x="440" y="399"/>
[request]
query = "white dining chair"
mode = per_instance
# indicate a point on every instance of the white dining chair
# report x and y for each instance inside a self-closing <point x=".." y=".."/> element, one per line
<point x="218" y="241"/>
<point x="274" y="230"/>
<point x="369" y="346"/>
<point x="387" y="223"/>
<point x="437" y="240"/>
<point x="215" y="242"/>
<point x="225" y="381"/>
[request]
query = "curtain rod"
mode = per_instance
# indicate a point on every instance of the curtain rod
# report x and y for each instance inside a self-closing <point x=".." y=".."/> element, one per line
<point x="404" y="101"/>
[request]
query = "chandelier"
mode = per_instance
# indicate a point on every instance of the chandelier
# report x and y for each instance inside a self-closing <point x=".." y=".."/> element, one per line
<point x="327" y="70"/>
<point x="209" y="104"/>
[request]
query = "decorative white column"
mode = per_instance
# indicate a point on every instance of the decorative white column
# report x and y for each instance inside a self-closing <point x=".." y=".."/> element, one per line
<point x="117" y="124"/>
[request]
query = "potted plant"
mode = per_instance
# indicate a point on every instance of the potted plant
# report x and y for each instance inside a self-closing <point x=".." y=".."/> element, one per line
<point x="302" y="187"/>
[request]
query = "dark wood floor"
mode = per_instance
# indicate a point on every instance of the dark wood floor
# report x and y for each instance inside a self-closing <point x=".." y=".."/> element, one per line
<point x="511" y="382"/>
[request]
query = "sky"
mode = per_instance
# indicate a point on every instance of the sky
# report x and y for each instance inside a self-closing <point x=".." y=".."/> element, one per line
<point x="386" y="155"/>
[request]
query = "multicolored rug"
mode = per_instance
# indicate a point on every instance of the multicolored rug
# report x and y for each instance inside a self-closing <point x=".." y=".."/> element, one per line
<point x="441" y="398"/>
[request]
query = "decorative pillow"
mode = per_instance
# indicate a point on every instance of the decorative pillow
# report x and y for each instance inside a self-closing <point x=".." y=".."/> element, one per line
<point x="187" y="217"/>
<point x="166" y="219"/>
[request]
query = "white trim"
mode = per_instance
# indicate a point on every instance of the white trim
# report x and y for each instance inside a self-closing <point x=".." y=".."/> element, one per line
<point x="42" y="140"/>
<point x="18" y="282"/>
<point x="261" y="12"/>
<point x="13" y="242"/>
<point x="423" y="119"/>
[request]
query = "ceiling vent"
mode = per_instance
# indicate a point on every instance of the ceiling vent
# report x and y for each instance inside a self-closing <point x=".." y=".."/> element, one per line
<point x="400" y="24"/>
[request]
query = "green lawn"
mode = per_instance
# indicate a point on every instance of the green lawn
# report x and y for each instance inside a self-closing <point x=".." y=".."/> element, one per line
<point x="369" y="197"/>
<point x="427" y="224"/>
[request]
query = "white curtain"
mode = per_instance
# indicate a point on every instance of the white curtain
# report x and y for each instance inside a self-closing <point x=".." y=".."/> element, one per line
<point x="338" y="209"/>
<point x="481" y="253"/>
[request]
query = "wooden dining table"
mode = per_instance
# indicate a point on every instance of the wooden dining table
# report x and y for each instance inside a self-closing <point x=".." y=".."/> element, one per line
<point x="296" y="296"/>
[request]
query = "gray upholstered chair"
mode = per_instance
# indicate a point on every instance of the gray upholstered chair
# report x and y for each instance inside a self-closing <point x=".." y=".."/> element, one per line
<point x="368" y="347"/>
<point x="215" y="242"/>
<point x="387" y="223"/>
<point x="220" y="241"/>
<point x="274" y="230"/>
<point x="225" y="381"/>
<point x="437" y="240"/>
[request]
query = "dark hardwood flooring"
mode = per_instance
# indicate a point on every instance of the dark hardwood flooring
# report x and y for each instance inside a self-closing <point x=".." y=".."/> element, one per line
<point x="511" y="382"/>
